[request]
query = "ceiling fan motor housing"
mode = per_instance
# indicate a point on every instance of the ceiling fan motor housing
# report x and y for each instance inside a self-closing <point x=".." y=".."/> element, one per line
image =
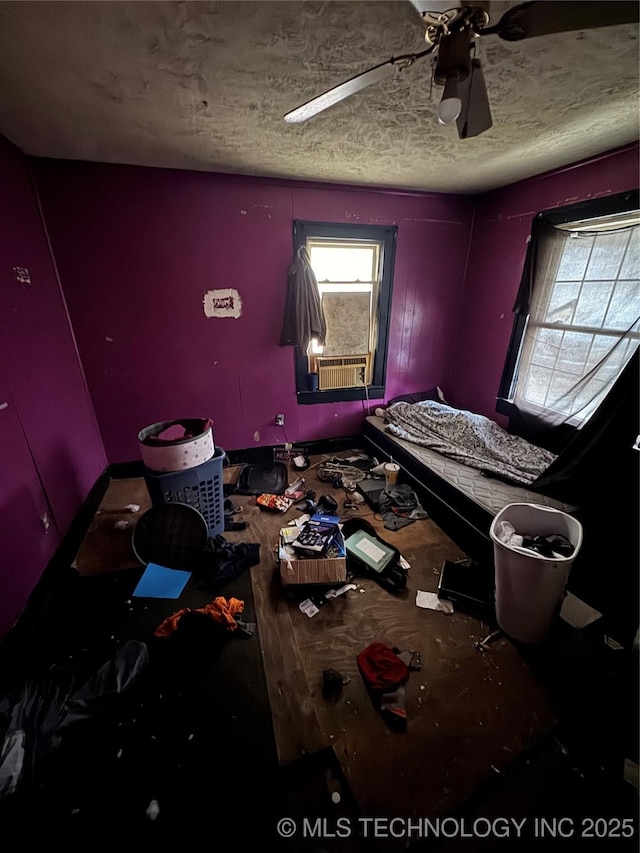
<point x="454" y="56"/>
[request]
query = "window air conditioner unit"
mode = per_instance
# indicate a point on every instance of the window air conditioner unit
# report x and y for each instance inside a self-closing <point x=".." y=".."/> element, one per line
<point x="349" y="371"/>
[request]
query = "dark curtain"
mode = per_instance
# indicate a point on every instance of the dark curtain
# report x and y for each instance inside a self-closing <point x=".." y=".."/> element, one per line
<point x="600" y="460"/>
<point x="539" y="248"/>
<point x="539" y="428"/>
<point x="599" y="471"/>
<point x="303" y="314"/>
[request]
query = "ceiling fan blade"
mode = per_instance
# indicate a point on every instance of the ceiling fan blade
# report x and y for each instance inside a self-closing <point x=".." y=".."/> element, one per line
<point x="540" y="18"/>
<point x="349" y="87"/>
<point x="475" y="115"/>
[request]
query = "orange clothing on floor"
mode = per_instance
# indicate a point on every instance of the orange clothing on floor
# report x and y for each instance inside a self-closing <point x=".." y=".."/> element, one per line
<point x="170" y="623"/>
<point x="220" y="609"/>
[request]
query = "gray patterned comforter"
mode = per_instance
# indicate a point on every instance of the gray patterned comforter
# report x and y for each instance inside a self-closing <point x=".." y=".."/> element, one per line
<point x="468" y="438"/>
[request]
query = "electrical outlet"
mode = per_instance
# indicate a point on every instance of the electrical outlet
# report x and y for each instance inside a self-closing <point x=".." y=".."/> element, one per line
<point x="279" y="420"/>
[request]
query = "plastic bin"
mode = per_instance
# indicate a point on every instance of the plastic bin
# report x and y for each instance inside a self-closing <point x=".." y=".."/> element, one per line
<point x="200" y="487"/>
<point x="179" y="453"/>
<point x="530" y="587"/>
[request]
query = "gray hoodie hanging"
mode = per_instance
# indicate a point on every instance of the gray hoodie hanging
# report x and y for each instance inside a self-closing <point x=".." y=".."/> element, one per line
<point x="303" y="315"/>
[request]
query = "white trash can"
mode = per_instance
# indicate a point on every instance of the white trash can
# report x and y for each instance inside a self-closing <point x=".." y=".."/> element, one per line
<point x="530" y="587"/>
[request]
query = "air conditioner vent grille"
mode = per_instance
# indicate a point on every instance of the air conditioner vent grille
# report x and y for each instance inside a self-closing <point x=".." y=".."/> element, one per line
<point x="342" y="371"/>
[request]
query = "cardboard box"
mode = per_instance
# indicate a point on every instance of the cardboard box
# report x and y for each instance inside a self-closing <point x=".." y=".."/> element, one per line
<point x="323" y="570"/>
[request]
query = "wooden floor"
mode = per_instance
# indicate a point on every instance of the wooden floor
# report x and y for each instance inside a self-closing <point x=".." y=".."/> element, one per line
<point x="481" y="735"/>
<point x="470" y="713"/>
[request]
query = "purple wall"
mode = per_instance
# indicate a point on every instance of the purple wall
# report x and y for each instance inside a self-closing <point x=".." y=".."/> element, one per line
<point x="50" y="448"/>
<point x="501" y="226"/>
<point x="138" y="248"/>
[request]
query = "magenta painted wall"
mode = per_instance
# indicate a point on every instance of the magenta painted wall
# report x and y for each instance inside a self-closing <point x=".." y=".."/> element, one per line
<point x="50" y="449"/>
<point x="502" y="223"/>
<point x="138" y="248"/>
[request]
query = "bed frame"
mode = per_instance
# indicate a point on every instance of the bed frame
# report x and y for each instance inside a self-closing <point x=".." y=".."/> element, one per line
<point x="449" y="502"/>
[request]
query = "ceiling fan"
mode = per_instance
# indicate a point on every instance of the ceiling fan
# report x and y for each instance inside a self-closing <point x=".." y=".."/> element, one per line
<point x="453" y="31"/>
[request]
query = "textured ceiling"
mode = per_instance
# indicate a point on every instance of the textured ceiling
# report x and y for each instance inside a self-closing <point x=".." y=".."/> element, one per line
<point x="205" y="85"/>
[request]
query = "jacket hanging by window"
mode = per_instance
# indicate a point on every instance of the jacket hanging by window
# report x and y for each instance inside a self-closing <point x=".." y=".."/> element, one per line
<point x="303" y="315"/>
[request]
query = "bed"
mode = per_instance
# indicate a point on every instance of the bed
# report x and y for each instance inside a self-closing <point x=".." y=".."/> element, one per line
<point x="458" y="497"/>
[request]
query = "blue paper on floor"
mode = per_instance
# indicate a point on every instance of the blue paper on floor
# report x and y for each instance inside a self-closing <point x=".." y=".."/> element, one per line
<point x="161" y="582"/>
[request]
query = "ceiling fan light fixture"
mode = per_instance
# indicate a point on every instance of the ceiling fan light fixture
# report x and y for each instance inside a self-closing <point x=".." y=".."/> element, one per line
<point x="450" y="106"/>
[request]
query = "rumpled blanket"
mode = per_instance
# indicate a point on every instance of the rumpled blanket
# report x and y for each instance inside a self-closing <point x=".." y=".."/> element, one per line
<point x="471" y="439"/>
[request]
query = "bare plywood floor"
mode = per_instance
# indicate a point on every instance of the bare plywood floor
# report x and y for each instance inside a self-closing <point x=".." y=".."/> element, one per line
<point x="469" y="713"/>
<point x="107" y="546"/>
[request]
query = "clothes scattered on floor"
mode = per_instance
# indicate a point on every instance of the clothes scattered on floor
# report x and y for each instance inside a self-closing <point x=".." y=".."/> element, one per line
<point x="224" y="561"/>
<point x="221" y="610"/>
<point x="399" y="506"/>
<point x="552" y="546"/>
<point x="34" y="718"/>
<point x="385" y="671"/>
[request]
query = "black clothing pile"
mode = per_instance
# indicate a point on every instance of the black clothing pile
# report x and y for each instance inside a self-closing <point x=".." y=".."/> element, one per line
<point x="399" y="506"/>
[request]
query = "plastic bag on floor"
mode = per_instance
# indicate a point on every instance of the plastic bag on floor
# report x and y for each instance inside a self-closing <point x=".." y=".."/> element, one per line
<point x="34" y="717"/>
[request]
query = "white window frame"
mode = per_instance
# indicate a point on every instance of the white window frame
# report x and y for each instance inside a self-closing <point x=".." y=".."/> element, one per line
<point x="536" y="320"/>
<point x="371" y="286"/>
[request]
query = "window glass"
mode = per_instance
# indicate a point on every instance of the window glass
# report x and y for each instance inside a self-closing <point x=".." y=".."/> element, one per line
<point x="582" y="327"/>
<point x="343" y="263"/>
<point x="348" y="275"/>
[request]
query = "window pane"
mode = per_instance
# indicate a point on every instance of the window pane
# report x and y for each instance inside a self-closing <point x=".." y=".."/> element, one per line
<point x="625" y="305"/>
<point x="574" y="353"/>
<point x="575" y="257"/>
<point x="631" y="265"/>
<point x="562" y="302"/>
<point x="344" y="287"/>
<point x="561" y="397"/>
<point x="600" y="348"/>
<point x="536" y="384"/>
<point x="546" y="347"/>
<point x="343" y="263"/>
<point x="348" y="323"/>
<point x="607" y="255"/>
<point x="592" y="303"/>
<point x="614" y="363"/>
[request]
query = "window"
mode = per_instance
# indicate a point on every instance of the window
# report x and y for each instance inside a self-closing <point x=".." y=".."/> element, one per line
<point x="579" y="326"/>
<point x="353" y="265"/>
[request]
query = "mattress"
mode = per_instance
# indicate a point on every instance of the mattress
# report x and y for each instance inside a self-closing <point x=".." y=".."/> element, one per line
<point x="488" y="494"/>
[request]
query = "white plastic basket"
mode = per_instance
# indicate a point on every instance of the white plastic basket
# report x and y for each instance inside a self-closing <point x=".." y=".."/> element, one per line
<point x="179" y="454"/>
<point x="530" y="587"/>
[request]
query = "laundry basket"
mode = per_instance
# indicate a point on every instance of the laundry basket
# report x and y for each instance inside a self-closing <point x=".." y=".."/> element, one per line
<point x="200" y="487"/>
<point x="191" y="445"/>
<point x="530" y="587"/>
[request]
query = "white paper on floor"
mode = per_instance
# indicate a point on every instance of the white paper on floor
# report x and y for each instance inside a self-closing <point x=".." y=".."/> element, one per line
<point x="577" y="613"/>
<point x="430" y="601"/>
